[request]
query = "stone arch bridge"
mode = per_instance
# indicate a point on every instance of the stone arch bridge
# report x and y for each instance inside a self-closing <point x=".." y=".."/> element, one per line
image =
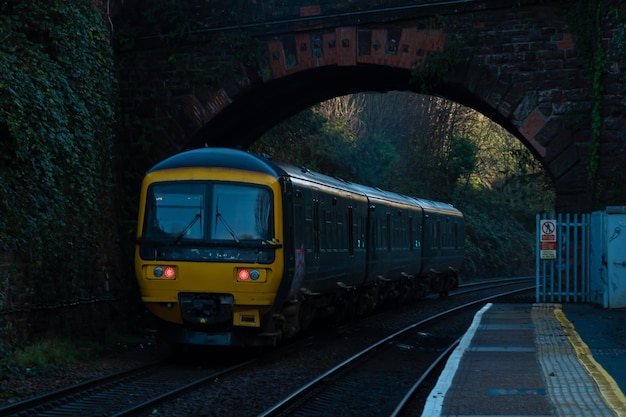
<point x="220" y="73"/>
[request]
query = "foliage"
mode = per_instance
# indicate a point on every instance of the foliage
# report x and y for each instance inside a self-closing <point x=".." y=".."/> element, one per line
<point x="588" y="20"/>
<point x="460" y="161"/>
<point x="56" y="114"/>
<point x="441" y="67"/>
<point x="167" y="18"/>
<point x="43" y="355"/>
<point x="9" y="368"/>
<point x="431" y="148"/>
<point x="49" y="352"/>
<point x="496" y="243"/>
<point x="307" y="140"/>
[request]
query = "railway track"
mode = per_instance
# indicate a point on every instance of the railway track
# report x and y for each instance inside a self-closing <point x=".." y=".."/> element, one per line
<point x="140" y="391"/>
<point x="381" y="379"/>
<point x="122" y="394"/>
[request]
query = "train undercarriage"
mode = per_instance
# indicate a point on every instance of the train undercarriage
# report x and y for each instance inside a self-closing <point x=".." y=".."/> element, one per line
<point x="349" y="302"/>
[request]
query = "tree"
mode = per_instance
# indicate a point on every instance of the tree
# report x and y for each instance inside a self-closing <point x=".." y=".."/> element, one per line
<point x="460" y="161"/>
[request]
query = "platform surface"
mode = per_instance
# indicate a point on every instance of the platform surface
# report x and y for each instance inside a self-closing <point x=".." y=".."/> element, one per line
<point x="530" y="360"/>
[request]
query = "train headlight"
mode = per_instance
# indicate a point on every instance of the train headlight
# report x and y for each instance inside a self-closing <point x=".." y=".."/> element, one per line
<point x="243" y="275"/>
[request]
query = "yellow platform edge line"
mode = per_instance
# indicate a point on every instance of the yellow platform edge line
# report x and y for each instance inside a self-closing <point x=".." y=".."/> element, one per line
<point x="610" y="391"/>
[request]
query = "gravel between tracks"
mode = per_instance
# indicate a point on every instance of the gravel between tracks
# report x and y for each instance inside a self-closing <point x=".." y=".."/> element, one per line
<point x="62" y="376"/>
<point x="249" y="393"/>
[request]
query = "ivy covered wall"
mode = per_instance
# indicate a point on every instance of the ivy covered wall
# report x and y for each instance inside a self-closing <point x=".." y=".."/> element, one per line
<point x="57" y="102"/>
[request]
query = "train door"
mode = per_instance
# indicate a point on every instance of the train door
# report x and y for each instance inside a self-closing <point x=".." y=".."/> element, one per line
<point x="378" y="240"/>
<point x="415" y="238"/>
<point x="311" y="249"/>
<point x="353" y="239"/>
<point x="429" y="241"/>
<point x="304" y="228"/>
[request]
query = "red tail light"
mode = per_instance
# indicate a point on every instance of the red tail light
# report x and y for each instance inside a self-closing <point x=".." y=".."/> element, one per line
<point x="169" y="272"/>
<point x="243" y="275"/>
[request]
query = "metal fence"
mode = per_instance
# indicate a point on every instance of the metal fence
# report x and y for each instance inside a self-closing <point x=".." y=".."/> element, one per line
<point x="563" y="266"/>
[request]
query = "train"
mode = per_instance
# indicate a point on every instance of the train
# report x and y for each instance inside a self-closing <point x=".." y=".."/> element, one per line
<point x="236" y="249"/>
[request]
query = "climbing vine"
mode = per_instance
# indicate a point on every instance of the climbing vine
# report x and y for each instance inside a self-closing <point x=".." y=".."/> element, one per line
<point x="596" y="111"/>
<point x="57" y="88"/>
<point x="588" y="21"/>
<point x="439" y="67"/>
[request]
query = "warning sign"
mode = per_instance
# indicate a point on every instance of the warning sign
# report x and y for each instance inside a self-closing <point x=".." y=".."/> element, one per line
<point x="547" y="239"/>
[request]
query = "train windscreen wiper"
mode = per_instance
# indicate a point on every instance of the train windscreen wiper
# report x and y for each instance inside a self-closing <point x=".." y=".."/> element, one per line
<point x="218" y="215"/>
<point x="186" y="229"/>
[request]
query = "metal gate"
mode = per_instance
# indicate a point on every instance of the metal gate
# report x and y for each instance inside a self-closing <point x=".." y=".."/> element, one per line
<point x="563" y="269"/>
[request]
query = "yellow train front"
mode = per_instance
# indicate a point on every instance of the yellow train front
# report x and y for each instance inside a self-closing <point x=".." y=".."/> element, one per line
<point x="209" y="255"/>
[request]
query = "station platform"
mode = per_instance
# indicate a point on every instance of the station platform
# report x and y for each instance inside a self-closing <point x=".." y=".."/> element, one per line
<point x="536" y="360"/>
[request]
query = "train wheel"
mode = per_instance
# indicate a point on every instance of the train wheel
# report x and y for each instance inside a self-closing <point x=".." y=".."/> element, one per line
<point x="423" y="287"/>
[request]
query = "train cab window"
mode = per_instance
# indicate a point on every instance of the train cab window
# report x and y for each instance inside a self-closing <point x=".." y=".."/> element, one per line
<point x="240" y="212"/>
<point x="234" y="212"/>
<point x="176" y="211"/>
<point x="188" y="220"/>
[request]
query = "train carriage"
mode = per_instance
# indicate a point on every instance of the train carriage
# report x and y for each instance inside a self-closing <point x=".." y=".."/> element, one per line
<point x="442" y="252"/>
<point x="235" y="249"/>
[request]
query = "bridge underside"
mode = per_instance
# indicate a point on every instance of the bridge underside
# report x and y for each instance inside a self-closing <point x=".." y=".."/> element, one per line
<point x="263" y="106"/>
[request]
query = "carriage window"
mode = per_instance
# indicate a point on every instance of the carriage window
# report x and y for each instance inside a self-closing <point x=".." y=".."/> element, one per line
<point x="410" y="231"/>
<point x="351" y="230"/>
<point x="388" y="231"/>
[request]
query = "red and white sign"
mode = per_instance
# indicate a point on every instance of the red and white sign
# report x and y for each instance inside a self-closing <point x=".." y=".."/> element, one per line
<point x="547" y="240"/>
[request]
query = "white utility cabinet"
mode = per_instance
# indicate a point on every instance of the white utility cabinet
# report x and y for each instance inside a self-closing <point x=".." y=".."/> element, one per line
<point x="608" y="257"/>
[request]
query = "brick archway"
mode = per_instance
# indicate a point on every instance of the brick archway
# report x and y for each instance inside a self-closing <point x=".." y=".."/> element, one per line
<point x="516" y="65"/>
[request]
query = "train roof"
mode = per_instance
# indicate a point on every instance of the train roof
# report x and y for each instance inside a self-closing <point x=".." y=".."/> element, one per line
<point x="340" y="184"/>
<point x="220" y="158"/>
<point x="239" y="159"/>
<point x="437" y="206"/>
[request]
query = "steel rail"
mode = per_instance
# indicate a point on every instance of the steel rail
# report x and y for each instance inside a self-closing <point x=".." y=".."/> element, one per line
<point x="409" y="394"/>
<point x="65" y="395"/>
<point x="89" y="395"/>
<point x="134" y="410"/>
<point x="46" y="398"/>
<point x="300" y="393"/>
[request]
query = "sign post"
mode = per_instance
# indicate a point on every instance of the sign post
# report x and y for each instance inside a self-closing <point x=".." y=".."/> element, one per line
<point x="547" y="242"/>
